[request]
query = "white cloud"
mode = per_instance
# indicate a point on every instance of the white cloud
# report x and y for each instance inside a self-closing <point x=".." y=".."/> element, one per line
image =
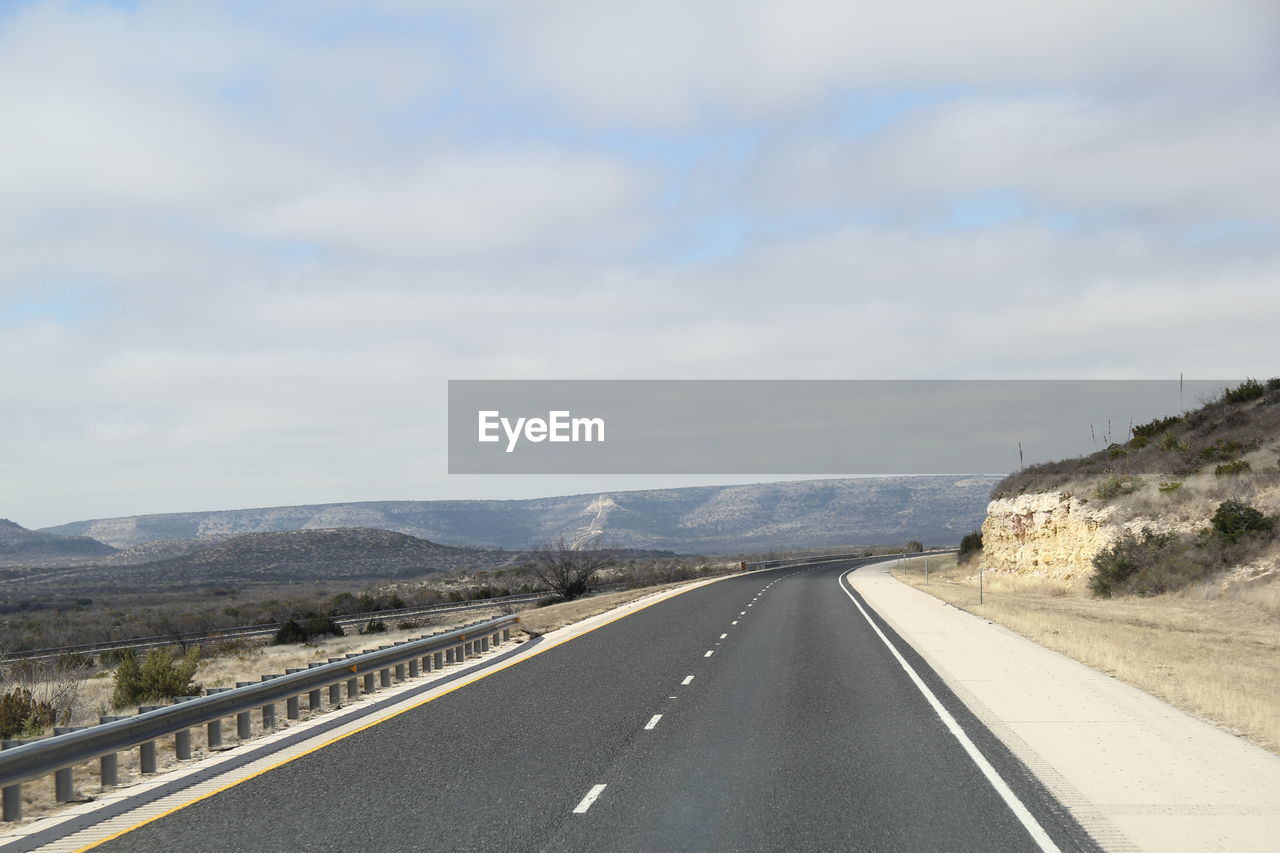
<point x="670" y="62"/>
<point x="273" y="251"/>
<point x="1165" y="160"/>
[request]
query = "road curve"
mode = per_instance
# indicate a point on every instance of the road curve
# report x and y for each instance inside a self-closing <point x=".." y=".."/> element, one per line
<point x="762" y="712"/>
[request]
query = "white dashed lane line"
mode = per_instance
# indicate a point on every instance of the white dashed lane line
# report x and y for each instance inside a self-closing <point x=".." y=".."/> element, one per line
<point x="653" y="721"/>
<point x="591" y="797"/>
<point x="687" y="679"/>
<point x="722" y="636"/>
<point x="709" y="653"/>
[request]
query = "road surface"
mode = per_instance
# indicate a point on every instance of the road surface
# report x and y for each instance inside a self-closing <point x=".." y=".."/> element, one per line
<point x="762" y="712"/>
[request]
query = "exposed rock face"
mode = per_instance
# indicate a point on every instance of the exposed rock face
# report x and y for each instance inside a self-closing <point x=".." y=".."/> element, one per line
<point x="1051" y="533"/>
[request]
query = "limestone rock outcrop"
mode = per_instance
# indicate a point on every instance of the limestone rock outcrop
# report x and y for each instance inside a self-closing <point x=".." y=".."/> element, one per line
<point x="1050" y="533"/>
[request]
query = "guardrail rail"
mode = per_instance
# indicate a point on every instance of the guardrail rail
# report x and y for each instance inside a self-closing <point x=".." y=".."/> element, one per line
<point x="360" y="673"/>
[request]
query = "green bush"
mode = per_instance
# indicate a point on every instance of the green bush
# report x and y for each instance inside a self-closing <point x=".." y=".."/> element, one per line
<point x="1232" y="469"/>
<point x="1273" y="384"/>
<point x="374" y="626"/>
<point x="113" y="657"/>
<point x="290" y="632"/>
<point x="1154" y="428"/>
<point x="1250" y="389"/>
<point x="1114" y="565"/>
<point x="1222" y="450"/>
<point x="21" y="714"/>
<point x="1235" y="519"/>
<point x="1151" y="563"/>
<point x="914" y="547"/>
<point x="1115" y="487"/>
<point x="1171" y="442"/>
<point x="294" y="631"/>
<point x="162" y="675"/>
<point x="1171" y="486"/>
<point x="970" y="545"/>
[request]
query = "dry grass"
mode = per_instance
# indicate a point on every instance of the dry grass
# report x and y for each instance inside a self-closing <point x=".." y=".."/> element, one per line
<point x="540" y="620"/>
<point x="1212" y="650"/>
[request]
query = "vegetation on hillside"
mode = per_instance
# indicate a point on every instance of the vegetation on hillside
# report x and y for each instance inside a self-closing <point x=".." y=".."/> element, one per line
<point x="1212" y="438"/>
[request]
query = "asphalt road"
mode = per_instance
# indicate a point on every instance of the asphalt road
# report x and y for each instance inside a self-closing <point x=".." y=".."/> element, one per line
<point x="799" y="731"/>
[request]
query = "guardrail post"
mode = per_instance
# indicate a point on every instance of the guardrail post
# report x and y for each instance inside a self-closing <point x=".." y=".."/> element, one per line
<point x="64" y="784"/>
<point x="335" y="694"/>
<point x="213" y="734"/>
<point x="291" y="708"/>
<point x="12" y="807"/>
<point x="399" y="672"/>
<point x="313" y="700"/>
<point x="368" y="682"/>
<point x="268" y="716"/>
<point x="353" y="687"/>
<point x="384" y="676"/>
<point x="109" y="764"/>
<point x="506" y="634"/>
<point x="426" y="663"/>
<point x="182" y="745"/>
<point x="413" y="668"/>
<point x="448" y="656"/>
<point x="147" y="751"/>
<point x="484" y="645"/>
<point x="439" y="660"/>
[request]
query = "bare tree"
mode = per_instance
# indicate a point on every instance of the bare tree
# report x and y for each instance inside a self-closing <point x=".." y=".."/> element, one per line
<point x="565" y="569"/>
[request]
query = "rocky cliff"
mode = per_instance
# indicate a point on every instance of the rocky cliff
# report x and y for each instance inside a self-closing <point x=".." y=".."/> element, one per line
<point x="1051" y="533"/>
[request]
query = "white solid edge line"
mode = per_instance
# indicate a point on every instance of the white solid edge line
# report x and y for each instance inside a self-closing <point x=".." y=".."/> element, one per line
<point x="687" y="679"/>
<point x="653" y="721"/>
<point x="1015" y="805"/>
<point x="590" y="798"/>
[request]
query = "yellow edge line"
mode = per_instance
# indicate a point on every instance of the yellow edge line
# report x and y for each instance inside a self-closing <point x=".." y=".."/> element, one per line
<point x="485" y="673"/>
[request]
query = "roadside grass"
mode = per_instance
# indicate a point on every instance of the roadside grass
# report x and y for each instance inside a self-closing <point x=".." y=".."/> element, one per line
<point x="540" y="620"/>
<point x="1212" y="649"/>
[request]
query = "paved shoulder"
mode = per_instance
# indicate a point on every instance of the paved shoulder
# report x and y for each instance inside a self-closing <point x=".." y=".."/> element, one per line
<point x="1138" y="773"/>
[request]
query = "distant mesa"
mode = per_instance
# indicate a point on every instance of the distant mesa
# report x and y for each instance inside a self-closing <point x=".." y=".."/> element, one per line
<point x="706" y="519"/>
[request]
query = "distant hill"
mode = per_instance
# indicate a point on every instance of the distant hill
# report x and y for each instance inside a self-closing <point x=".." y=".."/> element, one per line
<point x="303" y="556"/>
<point x="762" y="516"/>
<point x="319" y="554"/>
<point x="20" y="546"/>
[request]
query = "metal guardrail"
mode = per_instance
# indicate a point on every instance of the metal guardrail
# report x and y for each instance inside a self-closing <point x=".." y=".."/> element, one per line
<point x="265" y="629"/>
<point x="23" y="762"/>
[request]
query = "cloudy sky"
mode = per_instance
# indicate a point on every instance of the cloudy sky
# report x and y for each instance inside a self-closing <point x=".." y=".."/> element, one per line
<point x="245" y="245"/>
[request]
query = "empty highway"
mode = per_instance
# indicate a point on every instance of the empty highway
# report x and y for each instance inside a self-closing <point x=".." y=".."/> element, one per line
<point x="767" y="711"/>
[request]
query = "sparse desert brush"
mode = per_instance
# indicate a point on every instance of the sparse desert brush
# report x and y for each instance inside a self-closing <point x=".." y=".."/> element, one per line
<point x="161" y="676"/>
<point x="1232" y="469"/>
